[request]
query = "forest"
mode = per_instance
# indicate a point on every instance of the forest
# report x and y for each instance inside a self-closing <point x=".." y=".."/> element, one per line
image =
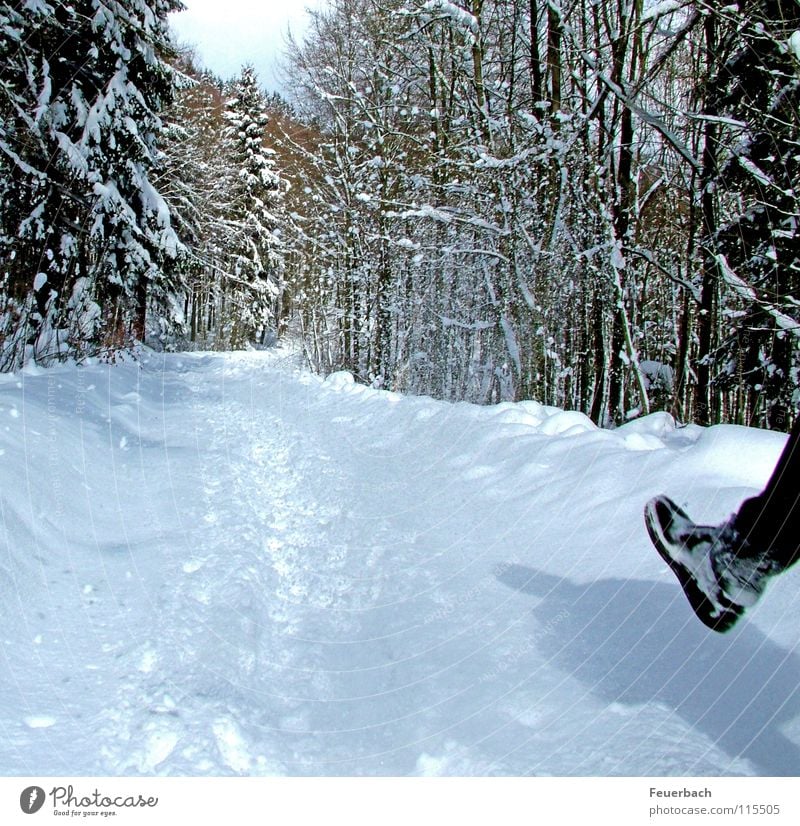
<point x="588" y="203"/>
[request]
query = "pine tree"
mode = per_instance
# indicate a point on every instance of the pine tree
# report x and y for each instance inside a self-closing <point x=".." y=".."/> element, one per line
<point x="41" y="208"/>
<point x="196" y="182"/>
<point x="201" y="183"/>
<point x="85" y="233"/>
<point x="119" y="140"/>
<point x="257" y="266"/>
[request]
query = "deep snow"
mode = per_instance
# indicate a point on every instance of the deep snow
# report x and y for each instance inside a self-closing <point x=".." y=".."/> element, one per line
<point x="221" y="564"/>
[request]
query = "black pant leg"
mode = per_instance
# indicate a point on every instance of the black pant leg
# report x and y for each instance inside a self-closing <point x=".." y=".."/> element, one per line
<point x="770" y="522"/>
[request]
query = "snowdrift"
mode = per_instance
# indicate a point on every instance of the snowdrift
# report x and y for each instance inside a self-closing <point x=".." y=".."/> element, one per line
<point x="220" y="564"/>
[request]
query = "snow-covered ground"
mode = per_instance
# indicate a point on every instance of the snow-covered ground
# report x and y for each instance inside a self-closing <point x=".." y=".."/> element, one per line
<point x="220" y="564"/>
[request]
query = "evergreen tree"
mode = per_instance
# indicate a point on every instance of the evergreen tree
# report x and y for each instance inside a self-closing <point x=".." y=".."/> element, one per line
<point x="85" y="233"/>
<point x="196" y="181"/>
<point x="257" y="266"/>
<point x="42" y="207"/>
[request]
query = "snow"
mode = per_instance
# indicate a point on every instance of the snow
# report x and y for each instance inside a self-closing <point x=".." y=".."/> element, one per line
<point x="785" y="322"/>
<point x="794" y="44"/>
<point x="45" y="94"/>
<point x="221" y="564"/>
<point x="428" y="211"/>
<point x="747" y="164"/>
<point x="662" y="8"/>
<point x="457" y="14"/>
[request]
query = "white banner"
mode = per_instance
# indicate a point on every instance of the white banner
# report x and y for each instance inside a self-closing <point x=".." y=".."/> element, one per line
<point x="401" y="801"/>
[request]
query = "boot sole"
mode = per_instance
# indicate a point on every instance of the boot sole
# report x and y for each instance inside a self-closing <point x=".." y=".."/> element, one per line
<point x="659" y="513"/>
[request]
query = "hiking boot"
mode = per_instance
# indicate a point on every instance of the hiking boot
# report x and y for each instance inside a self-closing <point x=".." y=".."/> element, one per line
<point x="719" y="574"/>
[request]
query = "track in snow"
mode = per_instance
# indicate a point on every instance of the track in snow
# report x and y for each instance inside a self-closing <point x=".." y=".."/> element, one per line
<point x="217" y="564"/>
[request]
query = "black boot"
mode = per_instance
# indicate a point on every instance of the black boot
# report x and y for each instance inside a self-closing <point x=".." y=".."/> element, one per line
<point x="720" y="574"/>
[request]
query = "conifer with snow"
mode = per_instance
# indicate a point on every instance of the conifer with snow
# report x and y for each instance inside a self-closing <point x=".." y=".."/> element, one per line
<point x="86" y="237"/>
<point x="257" y="265"/>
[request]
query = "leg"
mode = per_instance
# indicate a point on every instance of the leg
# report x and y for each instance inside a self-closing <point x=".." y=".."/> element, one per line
<point x="770" y="522"/>
<point x="724" y="569"/>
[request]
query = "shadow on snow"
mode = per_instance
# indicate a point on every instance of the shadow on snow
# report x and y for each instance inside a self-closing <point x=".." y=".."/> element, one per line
<point x="628" y="642"/>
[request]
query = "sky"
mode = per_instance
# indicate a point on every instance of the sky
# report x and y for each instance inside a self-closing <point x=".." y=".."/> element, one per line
<point x="230" y="33"/>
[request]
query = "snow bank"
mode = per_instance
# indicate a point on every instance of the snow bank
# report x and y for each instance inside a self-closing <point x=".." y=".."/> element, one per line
<point x="233" y="567"/>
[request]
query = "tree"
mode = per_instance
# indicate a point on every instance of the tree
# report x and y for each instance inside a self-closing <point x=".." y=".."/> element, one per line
<point x="198" y="182"/>
<point x="756" y="89"/>
<point x="255" y="206"/>
<point x="81" y="95"/>
<point x="569" y="202"/>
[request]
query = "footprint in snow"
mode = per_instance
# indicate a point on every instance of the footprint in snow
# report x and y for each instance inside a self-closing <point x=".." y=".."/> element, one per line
<point x="39" y="722"/>
<point x="160" y="742"/>
<point x="231" y="745"/>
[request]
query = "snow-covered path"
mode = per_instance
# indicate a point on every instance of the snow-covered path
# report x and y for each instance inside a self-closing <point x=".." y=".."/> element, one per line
<point x="218" y="564"/>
